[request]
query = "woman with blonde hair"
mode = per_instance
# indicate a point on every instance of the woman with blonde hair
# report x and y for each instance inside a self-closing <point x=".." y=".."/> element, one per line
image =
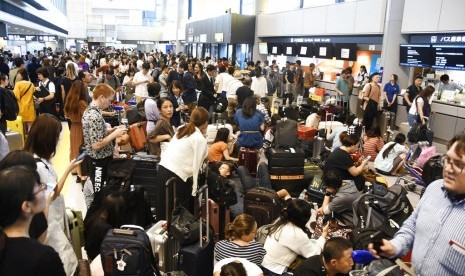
<point x="66" y="82"/>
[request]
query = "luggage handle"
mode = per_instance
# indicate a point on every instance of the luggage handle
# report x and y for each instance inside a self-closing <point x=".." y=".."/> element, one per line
<point x="126" y="232"/>
<point x="171" y="181"/>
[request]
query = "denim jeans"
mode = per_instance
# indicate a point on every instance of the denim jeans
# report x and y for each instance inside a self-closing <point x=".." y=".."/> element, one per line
<point x="411" y="119"/>
<point x="248" y="182"/>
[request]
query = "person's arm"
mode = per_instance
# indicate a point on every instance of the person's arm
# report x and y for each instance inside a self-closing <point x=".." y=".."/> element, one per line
<point x="226" y="155"/>
<point x="118" y="131"/>
<point x="73" y="164"/>
<point x="63" y="93"/>
<point x="336" y="88"/>
<point x="406" y="97"/>
<point x="323" y="210"/>
<point x="355" y="171"/>
<point x="420" y="110"/>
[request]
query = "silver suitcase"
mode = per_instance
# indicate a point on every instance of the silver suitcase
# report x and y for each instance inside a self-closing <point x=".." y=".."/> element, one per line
<point x="15" y="141"/>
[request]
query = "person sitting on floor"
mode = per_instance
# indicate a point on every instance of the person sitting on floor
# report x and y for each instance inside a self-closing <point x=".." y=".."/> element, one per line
<point x="236" y="267"/>
<point x="240" y="241"/>
<point x="222" y="147"/>
<point x="336" y="259"/>
<point x="289" y="237"/>
<point x="391" y="157"/>
<point x="373" y="143"/>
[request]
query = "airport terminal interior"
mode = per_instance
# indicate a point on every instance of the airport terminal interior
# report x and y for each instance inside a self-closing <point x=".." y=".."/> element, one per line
<point x="329" y="134"/>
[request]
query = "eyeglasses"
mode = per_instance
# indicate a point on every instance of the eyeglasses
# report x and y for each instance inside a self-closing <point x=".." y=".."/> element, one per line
<point x="457" y="166"/>
<point x="42" y="188"/>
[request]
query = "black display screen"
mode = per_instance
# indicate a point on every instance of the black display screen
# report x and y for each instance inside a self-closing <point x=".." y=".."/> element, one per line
<point x="448" y="57"/>
<point x="324" y="50"/>
<point x="346" y="51"/>
<point x="415" y="55"/>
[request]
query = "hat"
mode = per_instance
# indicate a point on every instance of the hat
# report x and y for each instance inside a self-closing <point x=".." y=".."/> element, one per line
<point x="238" y="75"/>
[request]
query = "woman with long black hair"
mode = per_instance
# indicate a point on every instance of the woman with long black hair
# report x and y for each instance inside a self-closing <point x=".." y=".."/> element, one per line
<point x="251" y="123"/>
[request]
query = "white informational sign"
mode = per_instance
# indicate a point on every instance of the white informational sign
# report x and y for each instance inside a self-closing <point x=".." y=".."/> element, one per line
<point x="274" y="50"/>
<point x="345" y="53"/>
<point x="288" y="50"/>
<point x="323" y="51"/>
<point x="203" y="38"/>
<point x="303" y="50"/>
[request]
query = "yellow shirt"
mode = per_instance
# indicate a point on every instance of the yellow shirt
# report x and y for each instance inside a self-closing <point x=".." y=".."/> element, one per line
<point x="24" y="91"/>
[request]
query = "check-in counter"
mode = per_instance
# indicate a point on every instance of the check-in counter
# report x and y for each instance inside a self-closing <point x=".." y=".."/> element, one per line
<point x="448" y="119"/>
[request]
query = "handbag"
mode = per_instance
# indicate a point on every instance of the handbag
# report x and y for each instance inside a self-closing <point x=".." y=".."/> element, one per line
<point x="336" y="228"/>
<point x="184" y="226"/>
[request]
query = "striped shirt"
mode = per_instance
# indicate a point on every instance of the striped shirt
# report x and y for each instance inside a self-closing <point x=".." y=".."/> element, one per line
<point x="437" y="220"/>
<point x="253" y="252"/>
<point x="372" y="147"/>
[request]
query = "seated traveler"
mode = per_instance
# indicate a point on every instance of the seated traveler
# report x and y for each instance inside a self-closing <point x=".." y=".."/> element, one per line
<point x="222" y="147"/>
<point x="236" y="267"/>
<point x="392" y="156"/>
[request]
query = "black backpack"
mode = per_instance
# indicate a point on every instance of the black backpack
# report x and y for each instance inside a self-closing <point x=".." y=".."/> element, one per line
<point x="220" y="105"/>
<point x="432" y="170"/>
<point x="220" y="190"/>
<point x="10" y="108"/>
<point x="128" y="251"/>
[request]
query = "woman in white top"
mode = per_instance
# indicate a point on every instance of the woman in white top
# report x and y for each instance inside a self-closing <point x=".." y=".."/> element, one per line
<point x="186" y="152"/>
<point x="42" y="142"/>
<point x="289" y="237"/>
<point x="391" y="157"/>
<point x="420" y="106"/>
<point x="259" y="86"/>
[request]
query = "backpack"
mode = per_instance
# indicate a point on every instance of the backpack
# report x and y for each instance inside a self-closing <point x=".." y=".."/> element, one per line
<point x="128" y="249"/>
<point x="220" y="105"/>
<point x="220" y="190"/>
<point x="10" y="107"/>
<point x="391" y="210"/>
<point x="432" y="170"/>
<point x="137" y="114"/>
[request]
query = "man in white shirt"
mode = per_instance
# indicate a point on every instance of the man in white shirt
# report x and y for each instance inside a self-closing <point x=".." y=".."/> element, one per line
<point x="140" y="81"/>
<point x="223" y="79"/>
<point x="140" y="61"/>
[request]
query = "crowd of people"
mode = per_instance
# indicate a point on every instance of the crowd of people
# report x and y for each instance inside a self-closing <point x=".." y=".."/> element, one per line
<point x="180" y="96"/>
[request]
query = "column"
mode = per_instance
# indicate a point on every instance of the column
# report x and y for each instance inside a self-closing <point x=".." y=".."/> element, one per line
<point x="392" y="38"/>
<point x="180" y="24"/>
<point x="260" y="6"/>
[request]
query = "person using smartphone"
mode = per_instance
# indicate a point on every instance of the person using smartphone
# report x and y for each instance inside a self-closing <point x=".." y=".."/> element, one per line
<point x="391" y="157"/>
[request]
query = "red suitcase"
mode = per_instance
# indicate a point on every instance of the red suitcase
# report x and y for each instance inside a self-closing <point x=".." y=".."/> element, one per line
<point x="219" y="217"/>
<point x="248" y="158"/>
<point x="306" y="133"/>
<point x="137" y="135"/>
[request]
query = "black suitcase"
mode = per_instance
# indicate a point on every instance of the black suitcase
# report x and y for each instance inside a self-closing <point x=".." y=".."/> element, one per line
<point x="278" y="157"/>
<point x="286" y="171"/>
<point x="286" y="134"/>
<point x="145" y="175"/>
<point x="263" y="204"/>
<point x="197" y="259"/>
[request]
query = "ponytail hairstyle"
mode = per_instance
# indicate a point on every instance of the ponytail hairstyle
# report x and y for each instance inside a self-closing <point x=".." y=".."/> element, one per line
<point x="296" y="212"/>
<point x="198" y="117"/>
<point x="243" y="225"/>
<point x="16" y="187"/>
<point x="400" y="139"/>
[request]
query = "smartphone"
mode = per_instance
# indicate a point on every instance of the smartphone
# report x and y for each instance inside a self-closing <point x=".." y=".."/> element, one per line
<point x="377" y="240"/>
<point x="81" y="156"/>
<point x="367" y="158"/>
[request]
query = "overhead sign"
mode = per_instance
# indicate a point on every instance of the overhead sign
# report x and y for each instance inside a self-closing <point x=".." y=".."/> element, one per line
<point x="219" y="37"/>
<point x="39" y="38"/>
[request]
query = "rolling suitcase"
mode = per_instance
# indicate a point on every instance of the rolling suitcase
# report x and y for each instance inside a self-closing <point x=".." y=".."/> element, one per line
<point x="318" y="147"/>
<point x="384" y="120"/>
<point x="17" y="125"/>
<point x="248" y="158"/>
<point x="219" y="217"/>
<point x="197" y="259"/>
<point x="15" y="141"/>
<point x="145" y="175"/>
<point x="286" y="134"/>
<point x="306" y="133"/>
<point x="278" y="157"/>
<point x="137" y="135"/>
<point x="165" y="247"/>
<point x="263" y="204"/>
<point x="76" y="230"/>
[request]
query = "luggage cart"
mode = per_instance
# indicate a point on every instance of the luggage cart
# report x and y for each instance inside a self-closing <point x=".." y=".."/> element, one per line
<point x="414" y="169"/>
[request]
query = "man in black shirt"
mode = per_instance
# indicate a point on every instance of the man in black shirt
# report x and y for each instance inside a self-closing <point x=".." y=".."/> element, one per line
<point x="336" y="259"/>
<point x="244" y="91"/>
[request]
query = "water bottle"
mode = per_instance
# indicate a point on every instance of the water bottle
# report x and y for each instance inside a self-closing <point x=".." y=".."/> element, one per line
<point x="302" y="194"/>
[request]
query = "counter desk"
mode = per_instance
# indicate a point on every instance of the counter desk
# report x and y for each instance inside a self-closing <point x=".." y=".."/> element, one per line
<point x="448" y="118"/>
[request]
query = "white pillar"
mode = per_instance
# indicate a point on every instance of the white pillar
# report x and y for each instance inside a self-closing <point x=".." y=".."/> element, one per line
<point x="260" y="6"/>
